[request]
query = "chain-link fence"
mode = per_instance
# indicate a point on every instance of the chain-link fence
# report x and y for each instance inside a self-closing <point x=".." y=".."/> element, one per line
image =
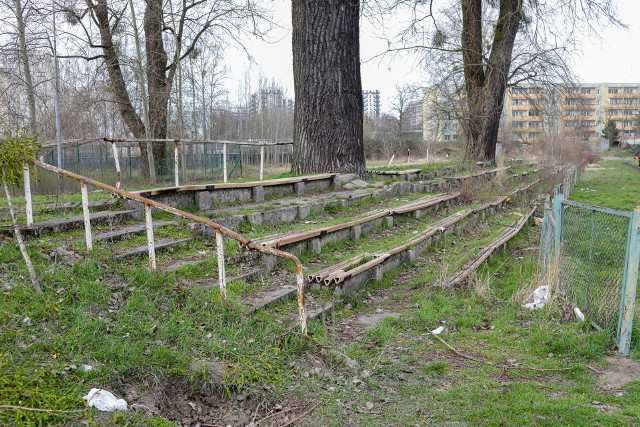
<point x="594" y="244"/>
<point x="198" y="161"/>
<point x="597" y="252"/>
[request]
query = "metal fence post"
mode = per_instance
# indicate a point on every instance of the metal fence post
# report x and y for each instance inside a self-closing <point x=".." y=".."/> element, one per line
<point x="150" y="243"/>
<point x="629" y="284"/>
<point x="557" y="216"/>
<point x="27" y="193"/>
<point x="116" y="160"/>
<point x="224" y="162"/>
<point x="222" y="274"/>
<point x="86" y="215"/>
<point x="175" y="164"/>
<point x="261" y="162"/>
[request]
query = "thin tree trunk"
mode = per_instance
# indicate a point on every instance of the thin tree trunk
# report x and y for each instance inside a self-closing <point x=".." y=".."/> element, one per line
<point x="23" y="249"/>
<point x="328" y="134"/>
<point x="26" y="68"/>
<point x="146" y="149"/>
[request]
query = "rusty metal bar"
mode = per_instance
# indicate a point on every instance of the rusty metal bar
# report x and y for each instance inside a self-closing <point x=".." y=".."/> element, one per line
<point x="486" y="252"/>
<point x="191" y="141"/>
<point x="86" y="215"/>
<point x="27" y="193"/>
<point x="150" y="241"/>
<point x="222" y="275"/>
<point x="186" y="215"/>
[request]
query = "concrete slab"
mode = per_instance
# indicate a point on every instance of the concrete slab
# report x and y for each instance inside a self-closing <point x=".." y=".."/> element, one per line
<point x="132" y="230"/>
<point x="144" y="250"/>
<point x="75" y="222"/>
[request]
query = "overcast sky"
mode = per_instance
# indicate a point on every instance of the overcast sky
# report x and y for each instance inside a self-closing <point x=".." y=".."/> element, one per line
<point x="613" y="58"/>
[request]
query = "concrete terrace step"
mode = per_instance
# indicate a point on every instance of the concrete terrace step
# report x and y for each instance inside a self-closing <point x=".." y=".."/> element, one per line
<point x="132" y="230"/>
<point x="143" y="250"/>
<point x="272" y="297"/>
<point x="65" y="224"/>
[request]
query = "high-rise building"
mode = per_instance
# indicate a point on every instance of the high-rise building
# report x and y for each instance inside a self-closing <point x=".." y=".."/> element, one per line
<point x="371" y="100"/>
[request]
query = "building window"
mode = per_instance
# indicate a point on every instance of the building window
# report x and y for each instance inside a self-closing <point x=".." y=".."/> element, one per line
<point x="517" y="113"/>
<point x="613" y="90"/>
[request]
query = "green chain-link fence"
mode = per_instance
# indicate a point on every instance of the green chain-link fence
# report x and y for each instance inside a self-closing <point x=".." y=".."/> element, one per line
<point x="599" y="251"/>
<point x="198" y="162"/>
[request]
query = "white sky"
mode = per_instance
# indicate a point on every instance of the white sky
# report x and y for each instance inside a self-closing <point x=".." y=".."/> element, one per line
<point x="613" y="58"/>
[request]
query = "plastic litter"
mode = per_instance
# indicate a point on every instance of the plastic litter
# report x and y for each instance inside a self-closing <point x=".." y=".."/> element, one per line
<point x="538" y="298"/>
<point x="438" y="330"/>
<point x="86" y="368"/>
<point x="578" y="314"/>
<point x="104" y="400"/>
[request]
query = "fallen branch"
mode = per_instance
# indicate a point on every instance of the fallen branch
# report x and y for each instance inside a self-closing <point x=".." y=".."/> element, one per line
<point x="304" y="414"/>
<point x="24" y="408"/>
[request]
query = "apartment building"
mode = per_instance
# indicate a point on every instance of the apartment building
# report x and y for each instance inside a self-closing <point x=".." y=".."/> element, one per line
<point x="371" y="100"/>
<point x="525" y="112"/>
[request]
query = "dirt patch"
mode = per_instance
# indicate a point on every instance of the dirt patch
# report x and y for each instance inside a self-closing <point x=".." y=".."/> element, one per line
<point x="619" y="372"/>
<point x="190" y="406"/>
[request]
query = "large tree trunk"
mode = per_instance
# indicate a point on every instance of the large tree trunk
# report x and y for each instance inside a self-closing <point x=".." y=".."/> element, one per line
<point x="486" y="89"/>
<point x="114" y="71"/>
<point x="328" y="135"/>
<point x="158" y="84"/>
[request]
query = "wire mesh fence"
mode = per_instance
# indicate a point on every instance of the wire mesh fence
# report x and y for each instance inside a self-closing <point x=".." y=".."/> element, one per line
<point x="198" y="162"/>
<point x="598" y="252"/>
<point x="594" y="247"/>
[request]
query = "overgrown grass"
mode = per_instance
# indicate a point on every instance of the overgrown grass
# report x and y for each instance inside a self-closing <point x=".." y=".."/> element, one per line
<point x="532" y="369"/>
<point x="613" y="184"/>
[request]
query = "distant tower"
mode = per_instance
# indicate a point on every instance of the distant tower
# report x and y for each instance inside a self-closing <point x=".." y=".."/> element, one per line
<point x="371" y="99"/>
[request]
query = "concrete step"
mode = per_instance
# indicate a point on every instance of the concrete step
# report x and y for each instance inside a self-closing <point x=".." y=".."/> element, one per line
<point x="272" y="297"/>
<point x="143" y="250"/>
<point x="109" y="218"/>
<point x="132" y="230"/>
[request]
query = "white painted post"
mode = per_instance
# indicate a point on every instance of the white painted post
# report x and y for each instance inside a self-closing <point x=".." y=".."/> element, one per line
<point x="261" y="162"/>
<point x="427" y="155"/>
<point x="150" y="243"/>
<point x="224" y="161"/>
<point x="408" y="156"/>
<point x="175" y="163"/>
<point x="116" y="159"/>
<point x="86" y="215"/>
<point x="222" y="274"/>
<point x="391" y="160"/>
<point x="301" y="309"/>
<point x="27" y="193"/>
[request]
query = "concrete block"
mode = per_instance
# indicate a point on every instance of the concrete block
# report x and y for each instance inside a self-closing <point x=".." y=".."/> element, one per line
<point x="304" y="211"/>
<point x="255" y="218"/>
<point x="257" y="194"/>
<point x="278" y="216"/>
<point x="359" y="183"/>
<point x="411" y="255"/>
<point x="356" y="232"/>
<point x="378" y="273"/>
<point x="388" y="220"/>
<point x="417" y="214"/>
<point x="298" y="188"/>
<point x="315" y="246"/>
<point x="203" y="200"/>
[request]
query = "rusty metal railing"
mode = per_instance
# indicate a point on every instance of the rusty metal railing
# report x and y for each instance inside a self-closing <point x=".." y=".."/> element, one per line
<point x="149" y="204"/>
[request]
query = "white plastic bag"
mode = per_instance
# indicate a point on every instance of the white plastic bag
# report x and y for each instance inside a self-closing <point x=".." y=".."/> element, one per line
<point x="104" y="400"/>
<point x="538" y="298"/>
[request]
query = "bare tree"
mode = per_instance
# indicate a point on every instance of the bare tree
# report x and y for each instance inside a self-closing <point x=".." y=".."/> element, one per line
<point x="172" y="30"/>
<point x="485" y="46"/>
<point x="328" y="135"/>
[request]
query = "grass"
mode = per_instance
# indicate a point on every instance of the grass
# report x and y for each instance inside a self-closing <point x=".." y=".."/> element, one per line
<point x="143" y="329"/>
<point x="613" y="184"/>
<point x="412" y="379"/>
